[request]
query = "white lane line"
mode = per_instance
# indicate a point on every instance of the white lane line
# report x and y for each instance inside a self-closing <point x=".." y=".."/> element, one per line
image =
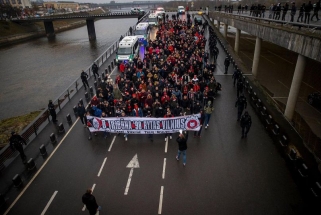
<point x="38" y="172"/>
<point x="268" y="59"/>
<point x="164" y="167"/>
<point x="113" y="70"/>
<point x="84" y="208"/>
<point x="283" y="84"/>
<point x="102" y="166"/>
<point x="279" y="97"/>
<point x="129" y="180"/>
<point x="166" y="145"/>
<point x="48" y="204"/>
<point x="161" y="200"/>
<point x="310" y="86"/>
<point x="246" y="55"/>
<point x="281" y="57"/>
<point x="112" y="142"/>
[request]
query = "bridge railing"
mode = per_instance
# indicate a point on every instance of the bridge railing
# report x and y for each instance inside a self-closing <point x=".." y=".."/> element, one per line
<point x="311" y="27"/>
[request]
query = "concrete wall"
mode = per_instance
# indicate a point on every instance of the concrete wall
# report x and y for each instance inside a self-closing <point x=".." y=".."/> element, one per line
<point x="299" y="42"/>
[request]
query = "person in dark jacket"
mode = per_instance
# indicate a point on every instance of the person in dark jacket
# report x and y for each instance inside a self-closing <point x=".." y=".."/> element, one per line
<point x="307" y="10"/>
<point x="16" y="142"/>
<point x="246" y="123"/>
<point x="316" y="8"/>
<point x="293" y="11"/>
<point x="241" y="104"/>
<point x="94" y="68"/>
<point x="90" y="201"/>
<point x="84" y="77"/>
<point x="52" y="111"/>
<point x="301" y="12"/>
<point x="226" y="64"/>
<point x="81" y="112"/>
<point x="182" y="146"/>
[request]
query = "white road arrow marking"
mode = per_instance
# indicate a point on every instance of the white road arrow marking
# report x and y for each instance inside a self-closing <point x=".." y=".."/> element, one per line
<point x="132" y="164"/>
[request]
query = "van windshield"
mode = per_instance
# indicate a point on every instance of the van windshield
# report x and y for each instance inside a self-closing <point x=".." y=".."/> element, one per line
<point x="152" y="19"/>
<point x="140" y="32"/>
<point x="124" y="51"/>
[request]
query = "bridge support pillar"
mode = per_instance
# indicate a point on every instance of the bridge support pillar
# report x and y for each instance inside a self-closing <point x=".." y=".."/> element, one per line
<point x="225" y="30"/>
<point x="218" y="25"/>
<point x="237" y="41"/>
<point x="295" y="87"/>
<point x="50" y="31"/>
<point x="91" y="29"/>
<point x="257" y="53"/>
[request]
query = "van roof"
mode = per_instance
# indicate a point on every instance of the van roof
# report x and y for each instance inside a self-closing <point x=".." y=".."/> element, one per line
<point x="128" y="41"/>
<point x="142" y="25"/>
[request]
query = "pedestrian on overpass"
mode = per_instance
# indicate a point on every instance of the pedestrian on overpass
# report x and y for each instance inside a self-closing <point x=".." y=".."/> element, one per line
<point x="246" y="123"/>
<point x="90" y="201"/>
<point x="316" y="8"/>
<point x="52" y="111"/>
<point x="226" y="64"/>
<point x="293" y="11"/>
<point x="182" y="146"/>
<point x="301" y="12"/>
<point x="307" y="10"/>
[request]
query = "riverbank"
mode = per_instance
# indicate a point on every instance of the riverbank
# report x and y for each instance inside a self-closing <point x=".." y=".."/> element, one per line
<point x="12" y="33"/>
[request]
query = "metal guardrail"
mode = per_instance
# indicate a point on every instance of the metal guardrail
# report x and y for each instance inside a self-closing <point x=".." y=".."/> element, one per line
<point x="270" y="21"/>
<point x="7" y="155"/>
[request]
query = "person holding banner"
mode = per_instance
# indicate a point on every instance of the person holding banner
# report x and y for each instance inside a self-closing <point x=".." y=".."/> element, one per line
<point x="168" y="115"/>
<point x="123" y="114"/>
<point x="182" y="146"/>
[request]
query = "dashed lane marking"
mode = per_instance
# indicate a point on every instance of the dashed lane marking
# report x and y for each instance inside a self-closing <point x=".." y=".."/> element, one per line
<point x="160" y="206"/>
<point x="164" y="167"/>
<point x="102" y="166"/>
<point x="112" y="142"/>
<point x="48" y="204"/>
<point x="281" y="57"/>
<point x="166" y="144"/>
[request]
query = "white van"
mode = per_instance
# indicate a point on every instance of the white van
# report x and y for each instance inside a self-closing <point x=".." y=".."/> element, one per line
<point x="181" y="10"/>
<point x="159" y="12"/>
<point x="127" y="49"/>
<point x="152" y="19"/>
<point x="142" y="32"/>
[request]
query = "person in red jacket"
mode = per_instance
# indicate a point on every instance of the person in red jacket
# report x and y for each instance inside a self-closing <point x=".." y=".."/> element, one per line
<point x="168" y="115"/>
<point x="165" y="98"/>
<point x="122" y="67"/>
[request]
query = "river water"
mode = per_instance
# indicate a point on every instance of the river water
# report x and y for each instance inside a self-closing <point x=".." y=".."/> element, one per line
<point x="38" y="70"/>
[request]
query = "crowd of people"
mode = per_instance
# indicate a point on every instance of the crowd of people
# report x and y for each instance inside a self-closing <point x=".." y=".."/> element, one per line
<point x="174" y="78"/>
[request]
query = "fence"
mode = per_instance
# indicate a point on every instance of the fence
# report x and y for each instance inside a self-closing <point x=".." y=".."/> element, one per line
<point x="7" y="155"/>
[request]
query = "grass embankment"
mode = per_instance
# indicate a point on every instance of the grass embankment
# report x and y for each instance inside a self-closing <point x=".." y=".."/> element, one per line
<point x="16" y="124"/>
<point x="8" y="28"/>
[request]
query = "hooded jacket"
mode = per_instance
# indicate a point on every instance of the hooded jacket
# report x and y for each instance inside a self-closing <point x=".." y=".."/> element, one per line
<point x="208" y="108"/>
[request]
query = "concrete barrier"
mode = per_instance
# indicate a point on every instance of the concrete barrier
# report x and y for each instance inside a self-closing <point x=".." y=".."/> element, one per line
<point x="53" y="138"/>
<point x="17" y="182"/>
<point x="43" y="150"/>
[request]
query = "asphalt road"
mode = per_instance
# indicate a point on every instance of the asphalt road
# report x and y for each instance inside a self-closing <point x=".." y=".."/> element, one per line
<point x="224" y="173"/>
<point x="275" y="73"/>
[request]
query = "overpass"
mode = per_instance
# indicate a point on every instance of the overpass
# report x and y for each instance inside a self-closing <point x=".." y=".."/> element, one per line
<point x="132" y="4"/>
<point x="50" y="31"/>
<point x="303" y="39"/>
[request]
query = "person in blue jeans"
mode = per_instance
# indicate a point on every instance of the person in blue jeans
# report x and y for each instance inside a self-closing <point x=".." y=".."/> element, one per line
<point x="182" y="146"/>
<point x="208" y="109"/>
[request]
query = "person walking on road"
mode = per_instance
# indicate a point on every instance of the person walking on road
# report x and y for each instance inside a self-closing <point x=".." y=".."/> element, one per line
<point x="293" y="11"/>
<point x="236" y="75"/>
<point x="246" y="123"/>
<point x="239" y="87"/>
<point x="182" y="146"/>
<point x="208" y="109"/>
<point x="241" y="104"/>
<point x="131" y="30"/>
<point x="94" y="68"/>
<point x="52" y="111"/>
<point x="226" y="64"/>
<point x="81" y="112"/>
<point x="90" y="201"/>
<point x="123" y="114"/>
<point x="16" y="142"/>
<point x="84" y="77"/>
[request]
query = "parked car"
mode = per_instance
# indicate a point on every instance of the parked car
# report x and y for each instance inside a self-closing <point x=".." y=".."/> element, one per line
<point x="315" y="99"/>
<point x="198" y="20"/>
<point x="137" y="10"/>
